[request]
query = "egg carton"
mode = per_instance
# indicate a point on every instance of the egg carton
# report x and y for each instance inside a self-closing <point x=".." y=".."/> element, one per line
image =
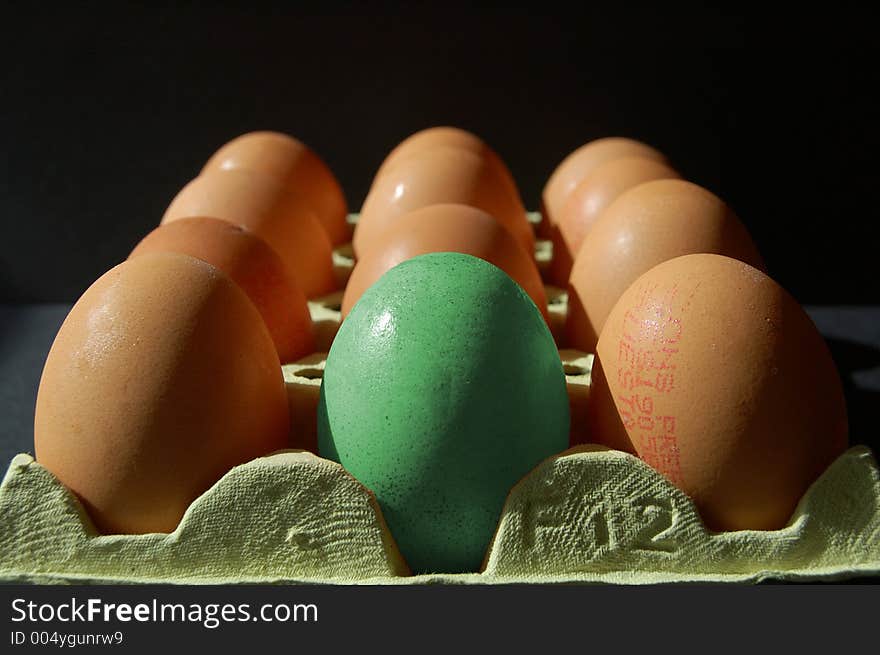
<point x="589" y="514"/>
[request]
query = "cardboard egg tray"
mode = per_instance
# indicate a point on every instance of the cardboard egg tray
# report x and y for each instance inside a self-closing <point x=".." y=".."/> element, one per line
<point x="589" y="514"/>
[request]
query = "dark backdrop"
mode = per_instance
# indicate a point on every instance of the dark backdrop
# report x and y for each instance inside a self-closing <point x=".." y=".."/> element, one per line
<point x="107" y="110"/>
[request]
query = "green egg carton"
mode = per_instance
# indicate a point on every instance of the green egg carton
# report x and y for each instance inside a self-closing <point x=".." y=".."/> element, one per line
<point x="589" y="515"/>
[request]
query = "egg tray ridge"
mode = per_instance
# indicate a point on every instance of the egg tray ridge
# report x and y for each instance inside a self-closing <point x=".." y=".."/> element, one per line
<point x="587" y="515"/>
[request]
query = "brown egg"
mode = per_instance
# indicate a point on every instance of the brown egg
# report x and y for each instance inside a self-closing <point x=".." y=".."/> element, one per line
<point x="446" y="228"/>
<point x="590" y="198"/>
<point x="452" y="137"/>
<point x="251" y="264"/>
<point x="439" y="175"/>
<point x="297" y="167"/>
<point x="721" y="382"/>
<point x="643" y="227"/>
<point x="162" y="378"/>
<point x="267" y="209"/>
<point x="583" y="161"/>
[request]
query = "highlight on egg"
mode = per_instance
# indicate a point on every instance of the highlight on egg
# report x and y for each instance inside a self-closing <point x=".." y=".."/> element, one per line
<point x="162" y="377"/>
<point x="451" y="137"/>
<point x="716" y="377"/>
<point x="439" y="175"/>
<point x="296" y="167"/>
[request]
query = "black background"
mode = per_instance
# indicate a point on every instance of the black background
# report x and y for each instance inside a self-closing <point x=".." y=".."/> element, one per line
<point x="108" y="109"/>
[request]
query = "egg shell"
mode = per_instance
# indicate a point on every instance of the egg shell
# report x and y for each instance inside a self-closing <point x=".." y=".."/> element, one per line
<point x="583" y="161"/>
<point x="295" y="166"/>
<point x="262" y="206"/>
<point x="441" y="390"/>
<point x="722" y="383"/>
<point x="452" y="137"/>
<point x="643" y="227"/>
<point x="253" y="266"/>
<point x="590" y="198"/>
<point x="446" y="228"/>
<point x="162" y="378"/>
<point x="439" y="175"/>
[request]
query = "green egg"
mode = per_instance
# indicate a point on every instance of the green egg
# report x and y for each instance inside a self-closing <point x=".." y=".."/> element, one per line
<point x="442" y="389"/>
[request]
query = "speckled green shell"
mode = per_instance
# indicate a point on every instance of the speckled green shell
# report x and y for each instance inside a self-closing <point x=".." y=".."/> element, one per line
<point x="442" y="389"/>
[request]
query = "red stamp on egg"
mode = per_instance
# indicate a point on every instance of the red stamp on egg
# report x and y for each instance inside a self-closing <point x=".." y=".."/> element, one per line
<point x="646" y="370"/>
